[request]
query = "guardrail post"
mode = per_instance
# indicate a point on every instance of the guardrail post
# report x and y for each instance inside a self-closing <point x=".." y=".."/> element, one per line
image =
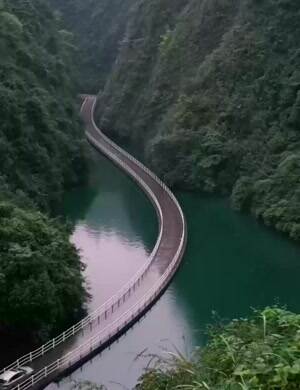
<point x="30" y="356"/>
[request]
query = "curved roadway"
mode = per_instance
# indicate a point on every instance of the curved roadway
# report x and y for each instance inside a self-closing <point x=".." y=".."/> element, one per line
<point x="97" y="332"/>
<point x="173" y="225"/>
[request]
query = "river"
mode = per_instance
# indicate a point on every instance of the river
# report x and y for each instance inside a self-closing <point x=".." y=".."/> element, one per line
<point x="232" y="263"/>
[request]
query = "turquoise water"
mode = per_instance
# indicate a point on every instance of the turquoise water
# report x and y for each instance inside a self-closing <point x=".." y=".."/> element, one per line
<point x="232" y="263"/>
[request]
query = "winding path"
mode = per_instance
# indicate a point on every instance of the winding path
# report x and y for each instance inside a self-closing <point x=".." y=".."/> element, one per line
<point x="95" y="332"/>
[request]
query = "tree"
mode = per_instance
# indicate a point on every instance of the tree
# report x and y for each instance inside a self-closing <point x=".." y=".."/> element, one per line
<point x="41" y="284"/>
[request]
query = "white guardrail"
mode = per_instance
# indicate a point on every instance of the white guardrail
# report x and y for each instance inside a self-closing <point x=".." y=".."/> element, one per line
<point x="107" y="333"/>
<point x="102" y="312"/>
<point x="123" y="320"/>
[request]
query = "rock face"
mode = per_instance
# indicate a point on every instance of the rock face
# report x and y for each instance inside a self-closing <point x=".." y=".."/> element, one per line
<point x="209" y="89"/>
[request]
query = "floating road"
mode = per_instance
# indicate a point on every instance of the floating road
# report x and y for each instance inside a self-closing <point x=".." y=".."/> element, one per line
<point x="79" y="343"/>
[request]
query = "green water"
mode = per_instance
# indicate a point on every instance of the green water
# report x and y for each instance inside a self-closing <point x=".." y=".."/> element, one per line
<point x="232" y="263"/>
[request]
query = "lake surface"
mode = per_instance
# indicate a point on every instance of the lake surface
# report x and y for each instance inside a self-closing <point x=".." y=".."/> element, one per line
<point x="232" y="263"/>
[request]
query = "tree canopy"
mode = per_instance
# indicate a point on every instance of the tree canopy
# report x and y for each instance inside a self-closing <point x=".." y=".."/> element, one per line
<point x="41" y="147"/>
<point x="41" y="285"/>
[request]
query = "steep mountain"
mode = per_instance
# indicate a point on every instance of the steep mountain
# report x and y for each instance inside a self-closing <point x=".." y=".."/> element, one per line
<point x="214" y="99"/>
<point x="98" y="26"/>
<point x="209" y="89"/>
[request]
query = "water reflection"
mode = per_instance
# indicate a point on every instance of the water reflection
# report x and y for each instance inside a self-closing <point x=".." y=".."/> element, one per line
<point x="232" y="264"/>
<point x="157" y="334"/>
<point x="115" y="233"/>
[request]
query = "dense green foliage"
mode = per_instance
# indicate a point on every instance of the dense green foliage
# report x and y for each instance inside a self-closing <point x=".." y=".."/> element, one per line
<point x="210" y="90"/>
<point x="262" y="353"/>
<point x="41" y="285"/>
<point x="40" y="136"/>
<point x="41" y="154"/>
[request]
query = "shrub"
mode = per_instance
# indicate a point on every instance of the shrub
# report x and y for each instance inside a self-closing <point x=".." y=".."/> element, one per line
<point x="41" y="285"/>
<point x="260" y="353"/>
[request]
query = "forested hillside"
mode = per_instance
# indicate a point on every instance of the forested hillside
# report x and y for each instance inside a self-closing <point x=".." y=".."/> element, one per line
<point x="41" y="155"/>
<point x="40" y="135"/>
<point x="209" y="89"/>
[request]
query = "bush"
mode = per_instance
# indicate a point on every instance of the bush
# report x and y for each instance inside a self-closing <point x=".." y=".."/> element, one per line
<point x="41" y="285"/>
<point x="260" y="353"/>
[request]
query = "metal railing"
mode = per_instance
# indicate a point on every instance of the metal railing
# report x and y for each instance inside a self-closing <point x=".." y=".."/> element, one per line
<point x="102" y="312"/>
<point x="125" y="153"/>
<point x="112" y="329"/>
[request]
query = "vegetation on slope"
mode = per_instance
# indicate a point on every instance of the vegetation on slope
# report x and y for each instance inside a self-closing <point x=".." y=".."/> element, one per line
<point x="41" y="155"/>
<point x="260" y="353"/>
<point x="210" y="89"/>
<point x="40" y="137"/>
<point x="41" y="285"/>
